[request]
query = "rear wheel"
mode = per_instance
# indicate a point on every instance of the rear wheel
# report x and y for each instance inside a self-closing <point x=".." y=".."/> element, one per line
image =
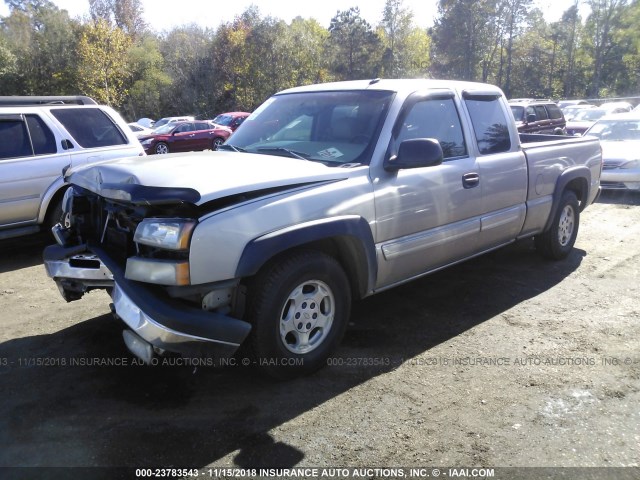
<point x="299" y="310"/>
<point x="557" y="242"/>
<point x="162" y="148"/>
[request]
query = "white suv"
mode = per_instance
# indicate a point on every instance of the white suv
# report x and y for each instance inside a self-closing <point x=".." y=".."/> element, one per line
<point x="41" y="136"/>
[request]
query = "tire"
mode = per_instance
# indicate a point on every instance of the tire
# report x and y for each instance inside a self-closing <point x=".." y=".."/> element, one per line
<point x="299" y="310"/>
<point x="216" y="143"/>
<point x="54" y="215"/>
<point x="161" y="148"/>
<point x="558" y="241"/>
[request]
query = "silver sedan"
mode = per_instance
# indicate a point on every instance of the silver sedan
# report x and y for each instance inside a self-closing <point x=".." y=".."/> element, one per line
<point x="619" y="136"/>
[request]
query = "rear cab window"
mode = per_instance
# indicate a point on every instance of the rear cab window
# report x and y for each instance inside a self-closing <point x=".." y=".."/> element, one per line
<point x="489" y="122"/>
<point x="90" y="127"/>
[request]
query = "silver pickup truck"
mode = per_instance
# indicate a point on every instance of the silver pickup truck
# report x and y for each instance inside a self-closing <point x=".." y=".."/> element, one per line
<point x="326" y="194"/>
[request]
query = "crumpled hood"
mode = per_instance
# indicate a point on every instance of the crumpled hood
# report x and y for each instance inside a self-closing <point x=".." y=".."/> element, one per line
<point x="204" y="176"/>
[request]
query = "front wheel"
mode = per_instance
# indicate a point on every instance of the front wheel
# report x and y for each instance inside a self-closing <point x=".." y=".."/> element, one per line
<point x="162" y="148"/>
<point x="54" y="216"/>
<point x="557" y="242"/>
<point x="216" y="143"/>
<point x="299" y="310"/>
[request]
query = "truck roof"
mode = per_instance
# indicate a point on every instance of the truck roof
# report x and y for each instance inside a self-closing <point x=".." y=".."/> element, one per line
<point x="395" y="85"/>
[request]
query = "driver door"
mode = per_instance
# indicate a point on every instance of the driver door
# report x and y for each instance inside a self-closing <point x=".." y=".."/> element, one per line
<point x="427" y="217"/>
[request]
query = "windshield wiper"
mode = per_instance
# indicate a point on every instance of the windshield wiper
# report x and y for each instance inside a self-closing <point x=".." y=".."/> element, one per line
<point x="228" y="146"/>
<point x="291" y="153"/>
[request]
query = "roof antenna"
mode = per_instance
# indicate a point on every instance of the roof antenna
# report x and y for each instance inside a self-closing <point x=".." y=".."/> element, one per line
<point x="375" y="80"/>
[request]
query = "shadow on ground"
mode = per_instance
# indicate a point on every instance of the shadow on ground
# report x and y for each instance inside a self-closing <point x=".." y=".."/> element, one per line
<point x="23" y="252"/>
<point x="620" y="197"/>
<point x="132" y="415"/>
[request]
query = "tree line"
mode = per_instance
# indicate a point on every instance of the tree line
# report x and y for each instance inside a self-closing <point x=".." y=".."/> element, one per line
<point x="114" y="56"/>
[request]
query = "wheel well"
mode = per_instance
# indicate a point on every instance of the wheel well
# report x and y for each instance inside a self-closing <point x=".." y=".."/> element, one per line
<point x="348" y="254"/>
<point x="57" y="197"/>
<point x="580" y="187"/>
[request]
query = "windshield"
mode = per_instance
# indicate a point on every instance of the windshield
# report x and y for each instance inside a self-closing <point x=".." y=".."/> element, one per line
<point x="571" y="112"/>
<point x="224" y="120"/>
<point x="164" y="129"/>
<point x="589" y="115"/>
<point x="616" y="130"/>
<point x="329" y="127"/>
<point x="161" y="122"/>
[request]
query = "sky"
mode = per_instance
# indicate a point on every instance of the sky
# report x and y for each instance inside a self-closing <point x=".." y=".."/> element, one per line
<point x="165" y="15"/>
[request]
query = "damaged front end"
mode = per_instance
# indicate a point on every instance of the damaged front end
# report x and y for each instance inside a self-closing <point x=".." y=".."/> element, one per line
<point x="133" y="241"/>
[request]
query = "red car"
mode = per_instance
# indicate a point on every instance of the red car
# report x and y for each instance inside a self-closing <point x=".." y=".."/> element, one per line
<point x="185" y="137"/>
<point x="231" y="120"/>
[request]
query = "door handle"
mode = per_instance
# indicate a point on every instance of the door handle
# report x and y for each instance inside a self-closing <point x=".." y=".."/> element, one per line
<point x="470" y="180"/>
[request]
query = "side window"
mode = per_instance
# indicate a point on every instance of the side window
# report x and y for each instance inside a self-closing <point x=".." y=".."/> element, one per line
<point x="541" y="112"/>
<point x="42" y="138"/>
<point x="14" y="138"/>
<point x="489" y="123"/>
<point x="90" y="127"/>
<point x="531" y="111"/>
<point x="554" y="111"/>
<point x="186" y="127"/>
<point x="436" y="118"/>
<point x="203" y="126"/>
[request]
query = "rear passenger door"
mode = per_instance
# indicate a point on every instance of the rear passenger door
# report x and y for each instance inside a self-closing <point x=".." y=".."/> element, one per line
<point x="95" y="135"/>
<point x="543" y="124"/>
<point x="204" y="135"/>
<point x="29" y="165"/>
<point x="556" y="119"/>
<point x="502" y="169"/>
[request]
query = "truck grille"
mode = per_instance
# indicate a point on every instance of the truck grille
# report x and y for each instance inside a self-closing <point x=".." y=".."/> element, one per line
<point x="112" y="226"/>
<point x="611" y="164"/>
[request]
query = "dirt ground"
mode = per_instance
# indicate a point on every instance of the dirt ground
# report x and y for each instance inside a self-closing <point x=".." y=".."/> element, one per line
<point x="504" y="361"/>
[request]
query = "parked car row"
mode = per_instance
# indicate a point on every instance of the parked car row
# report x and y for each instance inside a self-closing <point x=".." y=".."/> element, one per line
<point x="616" y="124"/>
<point x="182" y="134"/>
<point x="185" y="137"/>
<point x="585" y="118"/>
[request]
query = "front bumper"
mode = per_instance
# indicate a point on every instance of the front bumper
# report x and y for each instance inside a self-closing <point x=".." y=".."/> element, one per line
<point x="76" y="271"/>
<point x="621" y="178"/>
<point x="165" y="323"/>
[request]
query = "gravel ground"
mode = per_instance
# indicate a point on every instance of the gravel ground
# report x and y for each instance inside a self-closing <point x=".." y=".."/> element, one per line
<point x="503" y="361"/>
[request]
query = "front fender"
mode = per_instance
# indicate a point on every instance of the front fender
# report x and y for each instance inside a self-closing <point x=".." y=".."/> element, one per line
<point x="352" y="234"/>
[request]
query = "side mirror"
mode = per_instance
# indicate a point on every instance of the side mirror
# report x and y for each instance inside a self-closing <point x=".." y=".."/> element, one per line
<point x="531" y="118"/>
<point x="415" y="153"/>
